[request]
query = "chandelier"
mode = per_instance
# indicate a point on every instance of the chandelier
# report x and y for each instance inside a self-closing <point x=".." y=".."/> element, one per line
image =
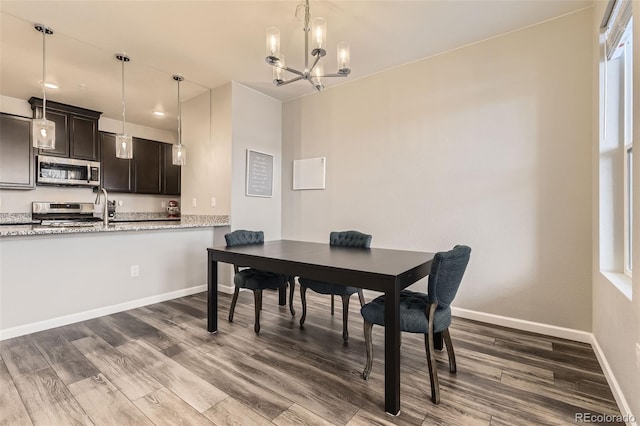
<point x="314" y="73"/>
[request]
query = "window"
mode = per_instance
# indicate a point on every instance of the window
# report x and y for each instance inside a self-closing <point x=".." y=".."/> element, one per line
<point x="616" y="141"/>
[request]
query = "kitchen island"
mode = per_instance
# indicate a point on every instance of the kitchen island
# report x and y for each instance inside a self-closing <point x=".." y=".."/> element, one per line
<point x="52" y="276"/>
<point x="23" y="229"/>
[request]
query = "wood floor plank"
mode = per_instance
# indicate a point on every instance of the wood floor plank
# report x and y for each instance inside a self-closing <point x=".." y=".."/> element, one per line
<point x="48" y="401"/>
<point x="12" y="409"/>
<point x="128" y="376"/>
<point x="103" y="403"/>
<point x="320" y="391"/>
<point x="263" y="400"/>
<point x="297" y="415"/>
<point x="195" y="391"/>
<point x="21" y="356"/>
<point x="234" y="413"/>
<point x="165" y="408"/>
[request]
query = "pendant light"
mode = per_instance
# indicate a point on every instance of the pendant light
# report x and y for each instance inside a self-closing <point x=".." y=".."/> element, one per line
<point x="43" y="131"/>
<point x="124" y="143"/>
<point x="179" y="152"/>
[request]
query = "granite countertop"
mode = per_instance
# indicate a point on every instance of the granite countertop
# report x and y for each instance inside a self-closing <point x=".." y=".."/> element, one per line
<point x="23" y="226"/>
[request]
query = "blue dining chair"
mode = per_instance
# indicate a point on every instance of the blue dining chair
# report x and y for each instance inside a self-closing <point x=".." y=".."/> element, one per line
<point x="424" y="313"/>
<point x="353" y="239"/>
<point x="253" y="279"/>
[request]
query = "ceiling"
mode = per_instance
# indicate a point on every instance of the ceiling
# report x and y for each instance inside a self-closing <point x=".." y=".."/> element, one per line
<point x="213" y="42"/>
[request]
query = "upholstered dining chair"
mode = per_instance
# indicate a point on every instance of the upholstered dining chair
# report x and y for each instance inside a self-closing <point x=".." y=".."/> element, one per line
<point x="353" y="239"/>
<point x="253" y="279"/>
<point x="424" y="313"/>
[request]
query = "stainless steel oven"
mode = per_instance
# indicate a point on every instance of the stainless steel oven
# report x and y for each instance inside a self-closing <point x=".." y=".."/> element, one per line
<point x="67" y="171"/>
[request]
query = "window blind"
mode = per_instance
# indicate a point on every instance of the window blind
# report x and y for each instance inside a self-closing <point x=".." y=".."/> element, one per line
<point x="616" y="18"/>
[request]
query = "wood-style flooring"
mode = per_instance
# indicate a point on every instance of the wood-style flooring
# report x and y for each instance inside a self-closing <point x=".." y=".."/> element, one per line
<point x="158" y="365"/>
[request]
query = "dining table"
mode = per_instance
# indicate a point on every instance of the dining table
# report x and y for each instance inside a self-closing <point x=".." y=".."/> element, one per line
<point x="379" y="269"/>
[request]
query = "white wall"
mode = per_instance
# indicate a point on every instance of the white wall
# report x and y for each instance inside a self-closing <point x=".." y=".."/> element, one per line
<point x="19" y="201"/>
<point x="86" y="275"/>
<point x="257" y="124"/>
<point x="616" y="318"/>
<point x="207" y="137"/>
<point x="487" y="145"/>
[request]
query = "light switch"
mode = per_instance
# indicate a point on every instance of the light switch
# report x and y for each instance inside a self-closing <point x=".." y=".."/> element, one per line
<point x="194" y="202"/>
<point x="213" y="201"/>
<point x="163" y="204"/>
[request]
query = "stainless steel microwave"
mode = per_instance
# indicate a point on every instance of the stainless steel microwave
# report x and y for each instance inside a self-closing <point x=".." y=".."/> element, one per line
<point x="67" y="171"/>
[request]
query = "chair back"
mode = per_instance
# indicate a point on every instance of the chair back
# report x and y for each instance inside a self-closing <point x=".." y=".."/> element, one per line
<point x="244" y="237"/>
<point x="447" y="269"/>
<point x="350" y="239"/>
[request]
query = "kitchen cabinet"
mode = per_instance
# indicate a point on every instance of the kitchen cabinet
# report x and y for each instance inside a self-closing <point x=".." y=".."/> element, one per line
<point x="116" y="174"/>
<point x="147" y="166"/>
<point x="16" y="153"/>
<point x="76" y="130"/>
<point x="171" y="181"/>
<point x="149" y="172"/>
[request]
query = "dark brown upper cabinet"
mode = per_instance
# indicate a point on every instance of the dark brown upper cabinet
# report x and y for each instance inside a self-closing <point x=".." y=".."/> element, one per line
<point x="171" y="181"/>
<point x="149" y="172"/>
<point x="16" y="153"/>
<point x="76" y="130"/>
<point x="147" y="166"/>
<point x="116" y="173"/>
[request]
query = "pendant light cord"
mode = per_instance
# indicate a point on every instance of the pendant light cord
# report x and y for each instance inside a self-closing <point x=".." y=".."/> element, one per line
<point x="179" y="117"/>
<point x="123" y="105"/>
<point x="44" y="72"/>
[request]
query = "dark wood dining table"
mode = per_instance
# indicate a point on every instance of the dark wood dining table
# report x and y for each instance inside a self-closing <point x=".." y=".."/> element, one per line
<point x="384" y="270"/>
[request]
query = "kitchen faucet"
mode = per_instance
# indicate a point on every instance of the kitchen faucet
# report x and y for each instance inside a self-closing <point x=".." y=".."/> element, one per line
<point x="105" y="212"/>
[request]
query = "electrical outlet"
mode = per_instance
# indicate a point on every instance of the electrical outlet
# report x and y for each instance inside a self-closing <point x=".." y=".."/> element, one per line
<point x="638" y="355"/>
<point x="120" y="203"/>
<point x="163" y="204"/>
<point x="213" y="201"/>
<point x="194" y="202"/>
<point x="135" y="271"/>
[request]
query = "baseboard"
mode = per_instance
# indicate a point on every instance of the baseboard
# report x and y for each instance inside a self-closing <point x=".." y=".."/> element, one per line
<point x="519" y="324"/>
<point x="625" y="410"/>
<point x="94" y="313"/>
<point x="228" y="289"/>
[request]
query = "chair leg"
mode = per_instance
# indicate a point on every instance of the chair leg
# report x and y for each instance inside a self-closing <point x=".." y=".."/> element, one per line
<point x="450" y="352"/>
<point x="368" y="343"/>
<point x="345" y="317"/>
<point x="433" y="372"/>
<point x="361" y="297"/>
<point x="233" y="303"/>
<point x="303" y="297"/>
<point x="332" y="305"/>
<point x="292" y="283"/>
<point x="257" y="298"/>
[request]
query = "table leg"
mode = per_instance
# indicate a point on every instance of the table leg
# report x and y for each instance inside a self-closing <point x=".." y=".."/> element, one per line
<point x="282" y="296"/>
<point x="392" y="351"/>
<point x="212" y="294"/>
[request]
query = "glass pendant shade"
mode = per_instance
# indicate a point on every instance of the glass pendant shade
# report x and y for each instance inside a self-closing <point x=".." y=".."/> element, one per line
<point x="43" y="133"/>
<point x="124" y="146"/>
<point x="344" y="57"/>
<point x="179" y="155"/>
<point x="273" y="42"/>
<point x="278" y="69"/>
<point x="319" y="32"/>
<point x="318" y="71"/>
